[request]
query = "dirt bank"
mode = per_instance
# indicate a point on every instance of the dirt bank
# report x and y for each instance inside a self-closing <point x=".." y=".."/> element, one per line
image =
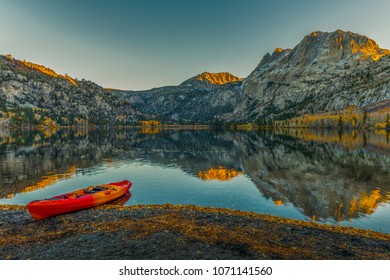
<point x="179" y="232"/>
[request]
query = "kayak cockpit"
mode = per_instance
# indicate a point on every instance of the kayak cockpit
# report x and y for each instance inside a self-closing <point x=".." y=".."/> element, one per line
<point x="84" y="192"/>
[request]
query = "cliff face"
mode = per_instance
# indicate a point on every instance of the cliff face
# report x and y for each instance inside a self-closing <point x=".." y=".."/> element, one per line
<point x="58" y="97"/>
<point x="324" y="72"/>
<point x="203" y="98"/>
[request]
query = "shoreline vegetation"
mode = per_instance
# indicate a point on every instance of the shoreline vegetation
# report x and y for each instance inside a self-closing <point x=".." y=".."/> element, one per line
<point x="235" y="126"/>
<point x="180" y="232"/>
<point x="347" y="119"/>
<point x="347" y="136"/>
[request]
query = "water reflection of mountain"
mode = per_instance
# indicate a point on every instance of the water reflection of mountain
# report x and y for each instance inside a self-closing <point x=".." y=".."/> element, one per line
<point x="32" y="159"/>
<point x="324" y="179"/>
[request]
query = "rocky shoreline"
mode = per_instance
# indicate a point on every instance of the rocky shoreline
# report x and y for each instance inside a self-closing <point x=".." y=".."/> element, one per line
<point x="179" y="232"/>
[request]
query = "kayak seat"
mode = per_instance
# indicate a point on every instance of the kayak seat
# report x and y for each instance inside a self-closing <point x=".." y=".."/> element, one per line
<point x="94" y="189"/>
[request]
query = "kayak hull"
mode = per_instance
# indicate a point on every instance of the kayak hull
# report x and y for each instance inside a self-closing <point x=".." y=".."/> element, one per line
<point x="78" y="200"/>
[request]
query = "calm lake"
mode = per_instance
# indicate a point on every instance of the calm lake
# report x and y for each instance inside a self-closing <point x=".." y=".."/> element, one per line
<point x="322" y="176"/>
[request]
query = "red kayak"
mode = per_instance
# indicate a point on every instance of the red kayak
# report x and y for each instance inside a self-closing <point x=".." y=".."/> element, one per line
<point x="77" y="200"/>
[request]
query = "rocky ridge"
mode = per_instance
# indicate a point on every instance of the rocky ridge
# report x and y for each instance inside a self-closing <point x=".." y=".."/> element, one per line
<point x="324" y="72"/>
<point x="59" y="98"/>
<point x="208" y="80"/>
<point x="203" y="98"/>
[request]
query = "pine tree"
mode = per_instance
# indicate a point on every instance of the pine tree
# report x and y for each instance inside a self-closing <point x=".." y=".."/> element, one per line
<point x="364" y="118"/>
<point x="340" y="123"/>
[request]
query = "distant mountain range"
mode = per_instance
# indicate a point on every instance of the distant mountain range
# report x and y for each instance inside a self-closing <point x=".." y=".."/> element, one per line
<point x="326" y="74"/>
<point x="203" y="98"/>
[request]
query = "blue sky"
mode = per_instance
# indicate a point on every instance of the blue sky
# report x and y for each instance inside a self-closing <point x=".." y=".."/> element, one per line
<point x="150" y="43"/>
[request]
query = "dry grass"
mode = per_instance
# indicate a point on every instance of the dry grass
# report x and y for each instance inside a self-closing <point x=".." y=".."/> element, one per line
<point x="262" y="235"/>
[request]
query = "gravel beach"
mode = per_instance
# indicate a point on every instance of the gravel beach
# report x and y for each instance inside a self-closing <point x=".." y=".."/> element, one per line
<point x="179" y="232"/>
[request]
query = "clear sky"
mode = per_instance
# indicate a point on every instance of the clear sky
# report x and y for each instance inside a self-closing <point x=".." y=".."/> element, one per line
<point x="148" y="43"/>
